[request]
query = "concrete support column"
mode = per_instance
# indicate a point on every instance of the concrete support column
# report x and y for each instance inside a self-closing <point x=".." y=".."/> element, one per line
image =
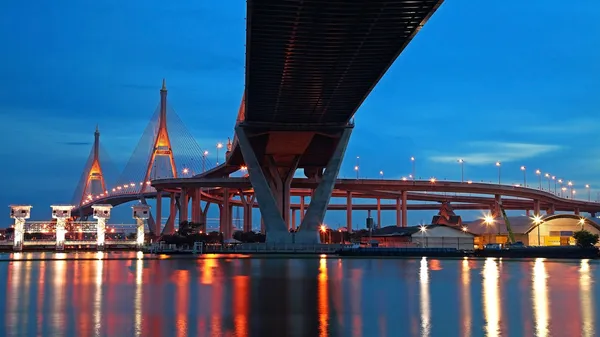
<point x="263" y="230"/>
<point x="170" y="225"/>
<point x="349" y="211"/>
<point x="404" y="208"/>
<point x="322" y="194"/>
<point x="224" y="216"/>
<point x="577" y="211"/>
<point x="378" y="213"/>
<point x="293" y="219"/>
<point x="202" y="216"/>
<point x="301" y="208"/>
<point x="551" y="209"/>
<point x="185" y="201"/>
<point x="158" y="221"/>
<point x="527" y="213"/>
<point x="270" y="205"/>
<point x="20" y="213"/>
<point x="496" y="209"/>
<point x="593" y="214"/>
<point x="536" y="208"/>
<point x="248" y="203"/>
<point x="141" y="213"/>
<point x="399" y="217"/>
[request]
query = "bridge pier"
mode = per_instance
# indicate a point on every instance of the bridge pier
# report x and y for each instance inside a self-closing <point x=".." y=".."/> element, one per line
<point x="349" y="211"/>
<point x="272" y="186"/>
<point x="378" y="213"/>
<point x="536" y="208"/>
<point x="247" y="203"/>
<point x="184" y="200"/>
<point x="577" y="211"/>
<point x="404" y="208"/>
<point x="170" y="225"/>
<point x="158" y="221"/>
<point x="225" y="211"/>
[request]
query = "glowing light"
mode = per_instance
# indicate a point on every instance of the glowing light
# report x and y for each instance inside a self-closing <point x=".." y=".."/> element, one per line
<point x="403" y="178"/>
<point x="185" y="171"/>
<point x="244" y="168"/>
<point x="537" y="219"/>
<point x="423" y="228"/>
<point x="498" y="163"/>
<point x="323" y="228"/>
<point x="491" y="297"/>
<point x="424" y="298"/>
<point x="540" y="298"/>
<point x="205" y="153"/>
<point x="488" y="219"/>
<point x="469" y="181"/>
<point x="219" y="145"/>
<point x="464" y="228"/>
<point x="586" y="295"/>
<point x="522" y="168"/>
<point x="432" y="180"/>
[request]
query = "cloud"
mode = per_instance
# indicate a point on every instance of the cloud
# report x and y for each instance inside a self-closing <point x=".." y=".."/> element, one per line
<point x="575" y="126"/>
<point x="75" y="143"/>
<point x="485" y="153"/>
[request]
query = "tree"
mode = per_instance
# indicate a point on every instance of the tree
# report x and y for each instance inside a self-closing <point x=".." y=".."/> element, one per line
<point x="585" y="239"/>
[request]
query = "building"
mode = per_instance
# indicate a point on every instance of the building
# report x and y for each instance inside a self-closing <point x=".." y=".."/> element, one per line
<point x="430" y="236"/>
<point x="548" y="230"/>
<point x="446" y="216"/>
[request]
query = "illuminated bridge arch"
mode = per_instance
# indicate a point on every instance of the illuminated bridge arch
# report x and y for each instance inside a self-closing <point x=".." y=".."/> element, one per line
<point x="549" y="218"/>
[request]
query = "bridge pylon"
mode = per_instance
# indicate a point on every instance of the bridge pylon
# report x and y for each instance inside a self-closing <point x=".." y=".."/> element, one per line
<point x="161" y="148"/>
<point x="94" y="173"/>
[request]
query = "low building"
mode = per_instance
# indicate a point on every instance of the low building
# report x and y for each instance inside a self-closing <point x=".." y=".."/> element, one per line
<point x="553" y="230"/>
<point x="430" y="236"/>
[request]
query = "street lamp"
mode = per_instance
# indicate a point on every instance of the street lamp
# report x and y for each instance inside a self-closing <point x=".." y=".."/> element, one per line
<point x="554" y="178"/>
<point x="219" y="146"/>
<point x="587" y="186"/>
<point x="524" y="169"/>
<point x="204" y="161"/>
<point x="381" y="174"/>
<point x="185" y="171"/>
<point x="539" y="173"/>
<point x="412" y="159"/>
<point x="570" y="184"/>
<point x="488" y="219"/>
<point x="357" y="166"/>
<point x="462" y="170"/>
<point x="498" y="165"/>
<point x="547" y="175"/>
<point x="560" y="181"/>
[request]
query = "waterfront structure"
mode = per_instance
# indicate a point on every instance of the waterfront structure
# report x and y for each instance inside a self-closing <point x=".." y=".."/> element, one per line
<point x="61" y="213"/>
<point x="141" y="214"/>
<point x="424" y="236"/>
<point x="20" y="213"/>
<point x="101" y="214"/>
<point x="546" y="230"/>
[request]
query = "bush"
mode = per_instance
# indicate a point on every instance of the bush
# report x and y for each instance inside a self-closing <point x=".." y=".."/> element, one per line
<point x="585" y="239"/>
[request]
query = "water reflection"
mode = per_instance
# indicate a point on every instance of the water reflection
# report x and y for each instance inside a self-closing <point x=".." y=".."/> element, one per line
<point x="424" y="297"/>
<point x="540" y="298"/>
<point x="323" y="300"/>
<point x="586" y="295"/>
<point x="315" y="297"/>
<point x="139" y="277"/>
<point x="491" y="297"/>
<point x="465" y="290"/>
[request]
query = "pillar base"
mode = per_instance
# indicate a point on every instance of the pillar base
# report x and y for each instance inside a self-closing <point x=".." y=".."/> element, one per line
<point x="307" y="237"/>
<point x="274" y="236"/>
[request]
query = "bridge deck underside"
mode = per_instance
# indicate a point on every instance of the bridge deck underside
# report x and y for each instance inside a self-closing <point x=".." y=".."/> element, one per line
<point x="314" y="62"/>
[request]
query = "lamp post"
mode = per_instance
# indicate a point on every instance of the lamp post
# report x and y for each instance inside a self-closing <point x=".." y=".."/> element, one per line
<point x="204" y="161"/>
<point x="219" y="146"/>
<point x="539" y="173"/>
<point x="489" y="221"/>
<point x="554" y="178"/>
<point x="564" y="191"/>
<point x="356" y="167"/>
<point x="560" y="181"/>
<point x="462" y="170"/>
<point x="587" y="186"/>
<point x="381" y="174"/>
<point x="547" y="175"/>
<point x="498" y="164"/>
<point x="524" y="169"/>
<point x="570" y="184"/>
<point x="412" y="159"/>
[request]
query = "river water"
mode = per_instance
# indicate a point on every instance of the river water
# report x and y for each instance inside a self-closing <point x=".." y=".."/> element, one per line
<point x="244" y="296"/>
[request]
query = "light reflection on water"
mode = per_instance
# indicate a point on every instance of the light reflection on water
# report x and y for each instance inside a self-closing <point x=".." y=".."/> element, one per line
<point x="297" y="297"/>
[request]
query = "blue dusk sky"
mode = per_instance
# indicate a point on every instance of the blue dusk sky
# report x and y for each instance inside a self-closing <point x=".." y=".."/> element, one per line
<point x="503" y="80"/>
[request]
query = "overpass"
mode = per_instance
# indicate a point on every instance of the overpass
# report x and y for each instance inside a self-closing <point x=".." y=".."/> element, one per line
<point x="309" y="66"/>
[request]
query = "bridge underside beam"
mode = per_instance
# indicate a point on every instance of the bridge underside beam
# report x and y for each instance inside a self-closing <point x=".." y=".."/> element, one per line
<point x="271" y="169"/>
